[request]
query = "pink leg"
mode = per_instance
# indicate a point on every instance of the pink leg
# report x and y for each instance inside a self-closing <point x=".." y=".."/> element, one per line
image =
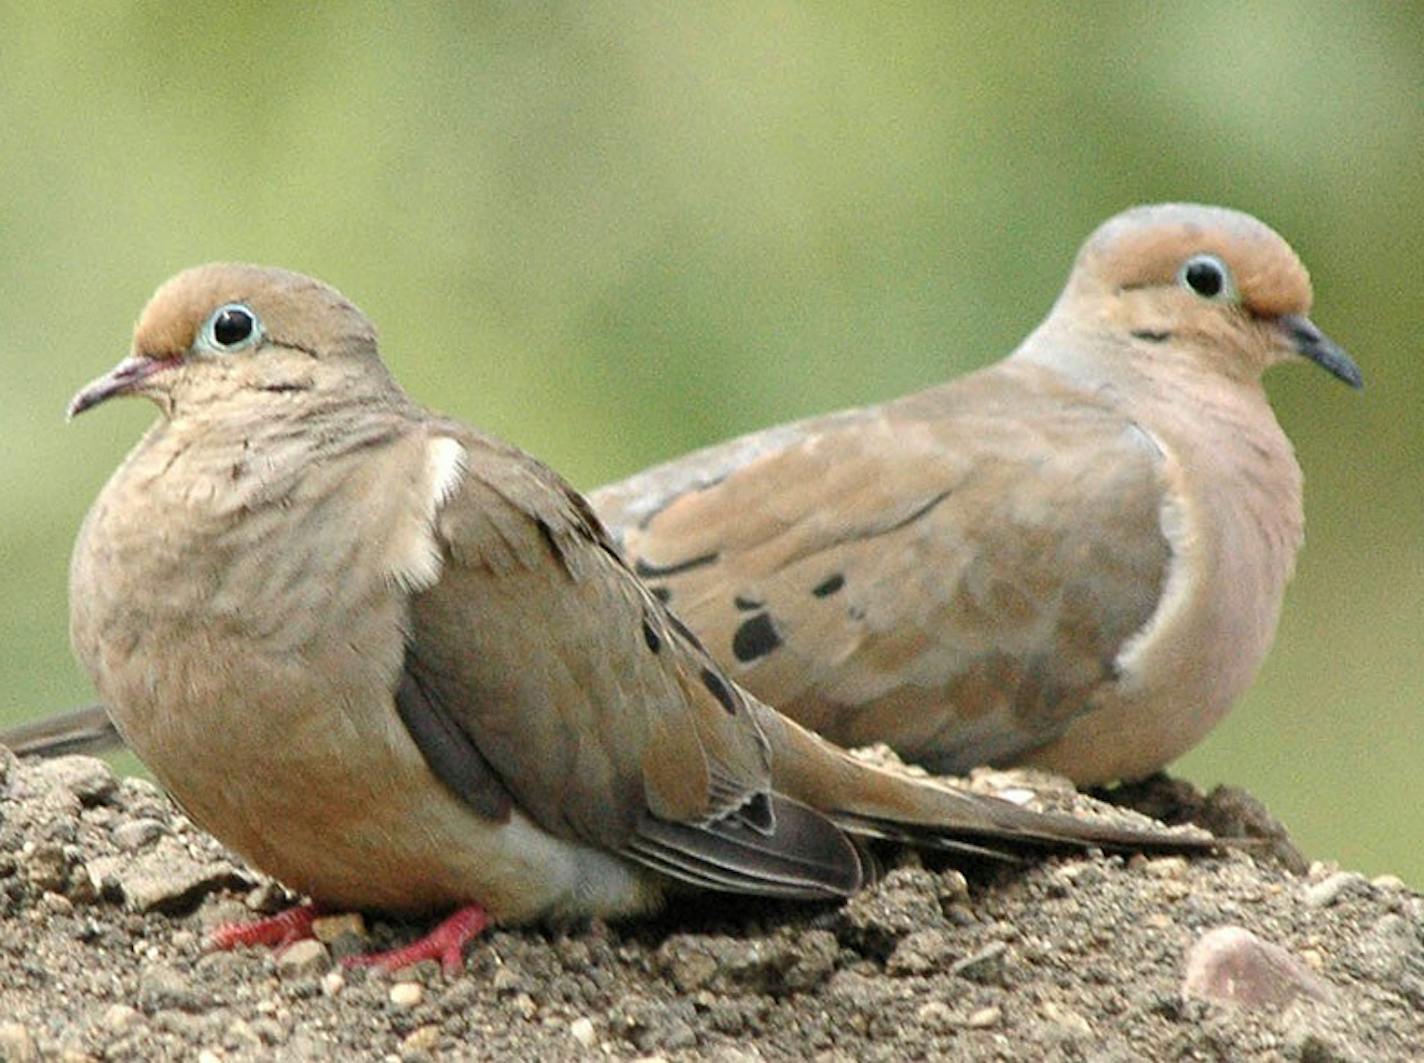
<point x="278" y="930"/>
<point x="444" y="943"/>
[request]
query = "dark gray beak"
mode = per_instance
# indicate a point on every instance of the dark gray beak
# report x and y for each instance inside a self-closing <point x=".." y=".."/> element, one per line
<point x="1310" y="342"/>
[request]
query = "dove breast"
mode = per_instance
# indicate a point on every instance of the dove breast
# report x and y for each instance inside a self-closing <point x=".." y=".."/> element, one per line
<point x="272" y="627"/>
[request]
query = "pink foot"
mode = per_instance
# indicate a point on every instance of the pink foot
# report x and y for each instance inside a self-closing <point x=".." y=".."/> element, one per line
<point x="278" y="931"/>
<point x="444" y="943"/>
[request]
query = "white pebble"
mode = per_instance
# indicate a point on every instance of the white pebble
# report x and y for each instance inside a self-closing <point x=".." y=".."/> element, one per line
<point x="583" y="1032"/>
<point x="406" y="994"/>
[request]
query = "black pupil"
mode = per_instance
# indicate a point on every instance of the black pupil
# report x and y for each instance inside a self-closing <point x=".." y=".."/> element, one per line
<point x="231" y="326"/>
<point x="1204" y="278"/>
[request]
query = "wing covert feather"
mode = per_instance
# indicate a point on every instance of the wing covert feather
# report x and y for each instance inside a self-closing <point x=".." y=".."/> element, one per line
<point x="955" y="572"/>
<point x="599" y="715"/>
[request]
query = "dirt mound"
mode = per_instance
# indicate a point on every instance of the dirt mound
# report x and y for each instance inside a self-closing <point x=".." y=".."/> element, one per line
<point x="107" y="892"/>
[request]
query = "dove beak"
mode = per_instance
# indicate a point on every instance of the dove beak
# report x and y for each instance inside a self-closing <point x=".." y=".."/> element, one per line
<point x="124" y="379"/>
<point x="1309" y="342"/>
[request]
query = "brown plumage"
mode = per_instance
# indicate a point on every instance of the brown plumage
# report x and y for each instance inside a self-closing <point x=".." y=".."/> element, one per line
<point x="1074" y="558"/>
<point x="399" y="664"/>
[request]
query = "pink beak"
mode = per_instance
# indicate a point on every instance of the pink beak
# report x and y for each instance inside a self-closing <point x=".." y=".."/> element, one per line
<point x="124" y="379"/>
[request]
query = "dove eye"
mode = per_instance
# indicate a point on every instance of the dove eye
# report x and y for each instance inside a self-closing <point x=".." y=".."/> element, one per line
<point x="1209" y="277"/>
<point x="232" y="327"/>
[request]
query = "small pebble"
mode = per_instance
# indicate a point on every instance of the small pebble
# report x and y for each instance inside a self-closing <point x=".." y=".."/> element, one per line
<point x="240" y="1034"/>
<point x="1166" y="867"/>
<point x="87" y="778"/>
<point x="983" y="965"/>
<point x="1067" y="1019"/>
<point x="1082" y="873"/>
<point x="1175" y="888"/>
<point x="330" y="927"/>
<point x="303" y="959"/>
<point x="921" y="952"/>
<point x="16" y="1044"/>
<point x="161" y="987"/>
<point x="423" y="1039"/>
<point x="983" y="1018"/>
<point x="583" y="1032"/>
<point x="57" y="904"/>
<point x="407" y="994"/>
<point x="47" y="867"/>
<point x="134" y="834"/>
<point x="936" y="1015"/>
<point x="506" y="980"/>
<point x="1231" y="965"/>
<point x="1327" y="891"/>
<point x="119" y="1018"/>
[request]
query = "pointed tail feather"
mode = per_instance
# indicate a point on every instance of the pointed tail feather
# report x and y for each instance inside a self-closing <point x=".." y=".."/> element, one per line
<point x="878" y="803"/>
<point x="86" y="730"/>
<point x="803" y="854"/>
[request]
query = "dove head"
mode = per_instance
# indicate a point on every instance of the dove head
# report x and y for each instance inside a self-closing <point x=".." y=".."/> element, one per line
<point x="226" y="332"/>
<point x="1208" y="286"/>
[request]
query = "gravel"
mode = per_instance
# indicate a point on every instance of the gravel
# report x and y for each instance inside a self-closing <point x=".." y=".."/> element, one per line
<point x="107" y="893"/>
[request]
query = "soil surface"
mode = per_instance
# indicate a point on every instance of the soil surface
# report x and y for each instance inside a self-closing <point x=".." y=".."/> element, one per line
<point x="107" y="894"/>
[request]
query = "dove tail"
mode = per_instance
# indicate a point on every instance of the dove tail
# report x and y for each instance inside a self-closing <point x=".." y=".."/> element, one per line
<point x="86" y="730"/>
<point x="874" y="802"/>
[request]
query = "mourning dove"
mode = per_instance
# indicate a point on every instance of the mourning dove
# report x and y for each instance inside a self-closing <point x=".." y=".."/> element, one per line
<point x="1073" y="559"/>
<point x="399" y="665"/>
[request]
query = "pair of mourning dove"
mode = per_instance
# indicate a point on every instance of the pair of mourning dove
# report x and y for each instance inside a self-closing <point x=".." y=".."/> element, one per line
<point x="400" y="665"/>
<point x="1074" y="558"/>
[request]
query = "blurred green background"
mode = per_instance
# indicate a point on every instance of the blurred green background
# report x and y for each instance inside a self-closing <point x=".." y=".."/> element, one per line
<point x="614" y="232"/>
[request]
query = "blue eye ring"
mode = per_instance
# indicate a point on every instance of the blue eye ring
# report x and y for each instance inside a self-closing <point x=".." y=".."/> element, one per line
<point x="1207" y="276"/>
<point x="232" y="327"/>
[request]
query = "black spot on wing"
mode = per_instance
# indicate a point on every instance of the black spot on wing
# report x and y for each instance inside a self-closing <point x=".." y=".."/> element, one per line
<point x="720" y="690"/>
<point x="650" y="636"/>
<point x="755" y="638"/>
<point x="685" y="631"/>
<point x="662" y="594"/>
<point x="746" y="605"/>
<point x="547" y="534"/>
<point x="1151" y="335"/>
<point x="828" y="586"/>
<point x="924" y="510"/>
<point x="648" y="570"/>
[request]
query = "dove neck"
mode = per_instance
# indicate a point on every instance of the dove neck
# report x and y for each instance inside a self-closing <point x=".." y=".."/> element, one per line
<point x="238" y="452"/>
<point x="1243" y="470"/>
<point x="1133" y="370"/>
